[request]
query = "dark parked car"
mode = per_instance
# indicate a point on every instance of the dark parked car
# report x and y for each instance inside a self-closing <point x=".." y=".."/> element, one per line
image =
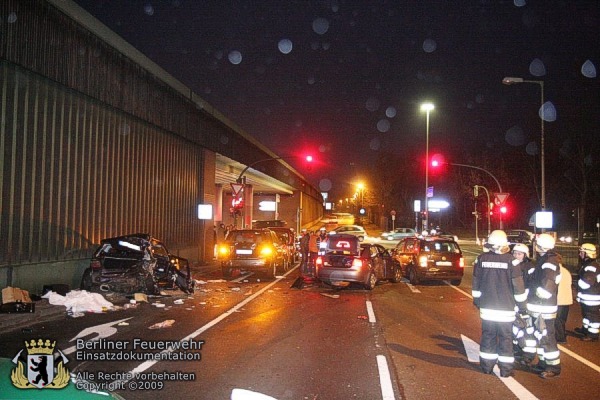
<point x="430" y="258"/>
<point x="136" y="263"/>
<point x="287" y="236"/>
<point x="521" y="236"/>
<point x="252" y="250"/>
<point x="347" y="261"/>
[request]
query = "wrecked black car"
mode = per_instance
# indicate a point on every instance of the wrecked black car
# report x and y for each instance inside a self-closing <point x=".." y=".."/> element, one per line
<point x="136" y="263"/>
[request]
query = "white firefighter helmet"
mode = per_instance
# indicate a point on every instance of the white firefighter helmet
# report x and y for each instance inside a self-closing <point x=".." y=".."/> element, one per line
<point x="544" y="242"/>
<point x="589" y="250"/>
<point x="522" y="248"/>
<point x="497" y="238"/>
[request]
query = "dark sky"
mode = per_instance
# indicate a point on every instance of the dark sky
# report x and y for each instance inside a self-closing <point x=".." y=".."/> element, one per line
<point x="345" y="79"/>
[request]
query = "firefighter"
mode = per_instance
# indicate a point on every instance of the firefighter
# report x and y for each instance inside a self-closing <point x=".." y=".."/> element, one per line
<point x="588" y="293"/>
<point x="498" y="291"/>
<point x="542" y="285"/>
<point x="522" y="328"/>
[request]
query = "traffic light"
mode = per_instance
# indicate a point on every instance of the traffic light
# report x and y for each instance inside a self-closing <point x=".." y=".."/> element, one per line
<point x="436" y="162"/>
<point x="503" y="210"/>
<point x="309" y="158"/>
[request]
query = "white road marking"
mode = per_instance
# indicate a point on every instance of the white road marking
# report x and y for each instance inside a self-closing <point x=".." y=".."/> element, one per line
<point x="387" y="390"/>
<point x="472" y="350"/>
<point x="148" y="364"/>
<point x="412" y="288"/>
<point x="370" y="312"/>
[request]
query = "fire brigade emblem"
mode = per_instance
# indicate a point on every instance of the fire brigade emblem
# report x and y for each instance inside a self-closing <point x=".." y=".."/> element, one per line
<point x="43" y="369"/>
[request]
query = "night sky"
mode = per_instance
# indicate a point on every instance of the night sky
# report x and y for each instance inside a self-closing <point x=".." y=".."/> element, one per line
<point x="345" y="79"/>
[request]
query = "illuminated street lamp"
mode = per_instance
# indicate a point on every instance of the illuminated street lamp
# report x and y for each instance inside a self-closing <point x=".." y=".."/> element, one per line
<point x="510" y="81"/>
<point x="361" y="190"/>
<point x="427" y="107"/>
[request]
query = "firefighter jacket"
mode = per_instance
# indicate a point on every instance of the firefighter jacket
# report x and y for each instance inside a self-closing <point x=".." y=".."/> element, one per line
<point x="542" y="285"/>
<point x="588" y="286"/>
<point x="498" y="287"/>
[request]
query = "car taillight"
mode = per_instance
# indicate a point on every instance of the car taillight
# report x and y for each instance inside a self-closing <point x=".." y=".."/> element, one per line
<point x="423" y="261"/>
<point x="461" y="262"/>
<point x="266" y="251"/>
<point x="223" y="250"/>
<point x="95" y="264"/>
<point x="357" y="263"/>
<point x="319" y="261"/>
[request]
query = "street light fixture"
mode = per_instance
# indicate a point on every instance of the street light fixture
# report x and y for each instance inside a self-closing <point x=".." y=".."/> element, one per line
<point x="427" y="107"/>
<point x="509" y="80"/>
<point x="361" y="190"/>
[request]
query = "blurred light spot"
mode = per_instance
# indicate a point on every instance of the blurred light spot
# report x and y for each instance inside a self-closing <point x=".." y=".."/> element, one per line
<point x="375" y="144"/>
<point x="390" y="112"/>
<point x="322" y="148"/>
<point x="531" y="148"/>
<point x="335" y="7"/>
<point x="325" y="185"/>
<point x="224" y="139"/>
<point x="320" y="26"/>
<point x="383" y="125"/>
<point x="285" y="46"/>
<point x="470" y="105"/>
<point x="548" y="112"/>
<point x="148" y="9"/>
<point x="325" y="45"/>
<point x="311" y="80"/>
<point x="520" y="3"/>
<point x="235" y="57"/>
<point x="429" y="45"/>
<point x="219" y="54"/>
<point x="479" y="99"/>
<point x="588" y="69"/>
<point x="372" y="104"/>
<point x="537" y="68"/>
<point x="515" y="136"/>
<point x="12" y="17"/>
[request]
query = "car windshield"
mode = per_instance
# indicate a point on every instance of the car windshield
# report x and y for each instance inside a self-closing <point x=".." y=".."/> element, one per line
<point x="247" y="237"/>
<point x="440" y="247"/>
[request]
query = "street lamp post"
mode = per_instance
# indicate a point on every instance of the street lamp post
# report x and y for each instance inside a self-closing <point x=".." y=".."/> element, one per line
<point x="427" y="107"/>
<point x="510" y="81"/>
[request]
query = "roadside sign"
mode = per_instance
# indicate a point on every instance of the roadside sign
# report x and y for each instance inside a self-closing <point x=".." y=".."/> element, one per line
<point x="501" y="198"/>
<point x="430" y="191"/>
<point x="236" y="188"/>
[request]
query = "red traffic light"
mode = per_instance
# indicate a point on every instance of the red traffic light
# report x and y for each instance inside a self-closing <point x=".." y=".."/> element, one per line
<point x="309" y="158"/>
<point x="437" y="160"/>
<point x="503" y="209"/>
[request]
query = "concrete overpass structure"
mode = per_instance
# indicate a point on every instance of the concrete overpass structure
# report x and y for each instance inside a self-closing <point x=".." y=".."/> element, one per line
<point x="98" y="141"/>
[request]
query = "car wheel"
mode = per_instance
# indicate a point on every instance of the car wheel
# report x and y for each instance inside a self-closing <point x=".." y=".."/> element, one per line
<point x="413" y="277"/>
<point x="86" y="280"/>
<point x="456" y="282"/>
<point x="371" y="281"/>
<point x="397" y="274"/>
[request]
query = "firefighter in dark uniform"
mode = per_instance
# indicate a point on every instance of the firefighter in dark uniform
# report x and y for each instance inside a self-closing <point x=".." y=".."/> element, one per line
<point x="542" y="286"/>
<point x="498" y="292"/>
<point x="588" y="293"/>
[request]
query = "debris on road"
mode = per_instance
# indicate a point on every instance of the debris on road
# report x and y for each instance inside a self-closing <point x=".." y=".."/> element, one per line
<point x="80" y="301"/>
<point x="333" y="296"/>
<point x="165" y="324"/>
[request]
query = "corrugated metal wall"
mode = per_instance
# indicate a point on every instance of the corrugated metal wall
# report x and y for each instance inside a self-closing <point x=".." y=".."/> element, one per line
<point x="74" y="170"/>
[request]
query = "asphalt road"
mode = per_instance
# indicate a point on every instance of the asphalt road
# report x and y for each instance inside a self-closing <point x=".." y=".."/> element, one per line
<point x="395" y="342"/>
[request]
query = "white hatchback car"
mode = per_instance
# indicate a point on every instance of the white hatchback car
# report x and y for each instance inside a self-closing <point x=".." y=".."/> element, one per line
<point x="354" y="230"/>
